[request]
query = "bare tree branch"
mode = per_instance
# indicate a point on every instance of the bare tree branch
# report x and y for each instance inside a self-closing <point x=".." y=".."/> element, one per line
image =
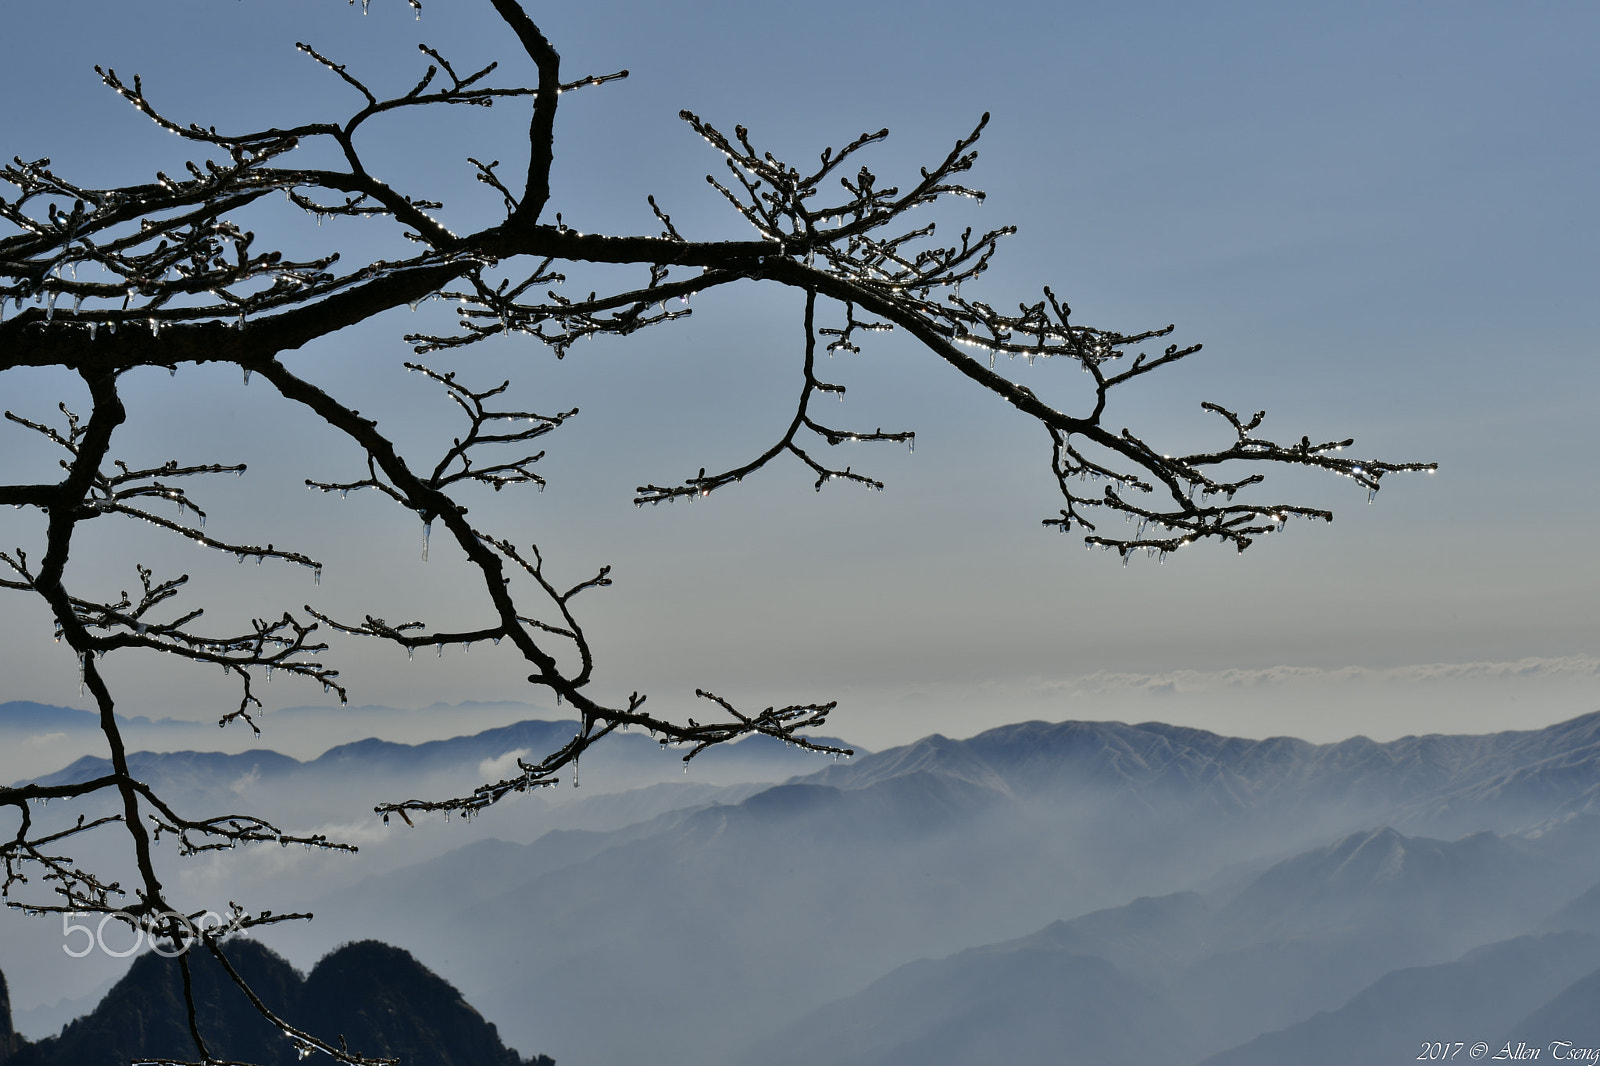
<point x="161" y="273"/>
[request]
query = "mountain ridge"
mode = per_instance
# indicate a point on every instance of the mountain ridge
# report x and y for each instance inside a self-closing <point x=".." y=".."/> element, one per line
<point x="1269" y="879"/>
<point x="1444" y="779"/>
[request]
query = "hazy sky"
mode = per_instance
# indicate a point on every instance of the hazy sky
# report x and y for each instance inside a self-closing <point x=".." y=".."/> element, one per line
<point x="1377" y="217"/>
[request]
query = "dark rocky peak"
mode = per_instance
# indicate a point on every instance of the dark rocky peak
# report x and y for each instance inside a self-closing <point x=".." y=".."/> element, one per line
<point x="8" y="1035"/>
<point x="377" y="999"/>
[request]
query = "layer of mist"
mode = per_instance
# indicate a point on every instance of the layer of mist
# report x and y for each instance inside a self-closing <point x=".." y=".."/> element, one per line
<point x="1039" y="889"/>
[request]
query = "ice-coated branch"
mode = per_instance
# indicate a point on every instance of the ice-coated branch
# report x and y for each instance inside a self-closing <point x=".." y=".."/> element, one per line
<point x="166" y="271"/>
<point x="703" y="484"/>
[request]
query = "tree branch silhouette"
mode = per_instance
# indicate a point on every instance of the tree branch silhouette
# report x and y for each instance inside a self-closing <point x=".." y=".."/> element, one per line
<point x="105" y="281"/>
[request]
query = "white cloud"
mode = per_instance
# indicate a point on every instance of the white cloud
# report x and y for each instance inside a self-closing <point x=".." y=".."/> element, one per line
<point x="1565" y="667"/>
<point x="501" y="766"/>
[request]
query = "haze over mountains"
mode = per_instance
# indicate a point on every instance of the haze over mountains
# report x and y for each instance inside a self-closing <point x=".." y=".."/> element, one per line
<point x="1081" y="891"/>
<point x="35" y="735"/>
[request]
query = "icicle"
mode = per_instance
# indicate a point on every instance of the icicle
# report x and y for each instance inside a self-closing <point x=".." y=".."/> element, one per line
<point x="427" y="531"/>
<point x="247" y="375"/>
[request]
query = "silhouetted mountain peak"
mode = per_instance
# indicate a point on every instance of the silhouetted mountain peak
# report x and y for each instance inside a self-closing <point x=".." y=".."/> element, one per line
<point x="378" y="999"/>
<point x="8" y="1036"/>
<point x="385" y="1002"/>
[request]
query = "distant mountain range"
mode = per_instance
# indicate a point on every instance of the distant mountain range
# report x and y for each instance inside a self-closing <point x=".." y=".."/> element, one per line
<point x="1073" y="892"/>
<point x="631" y="780"/>
<point x="25" y="716"/>
<point x="1519" y="992"/>
<point x="1444" y="783"/>
<point x="629" y="755"/>
<point x="1348" y="923"/>
<point x="28" y="716"/>
<point x="1303" y="873"/>
<point x="377" y="999"/>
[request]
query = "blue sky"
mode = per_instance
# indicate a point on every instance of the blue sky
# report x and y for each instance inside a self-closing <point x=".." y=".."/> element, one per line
<point x="1379" y="218"/>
